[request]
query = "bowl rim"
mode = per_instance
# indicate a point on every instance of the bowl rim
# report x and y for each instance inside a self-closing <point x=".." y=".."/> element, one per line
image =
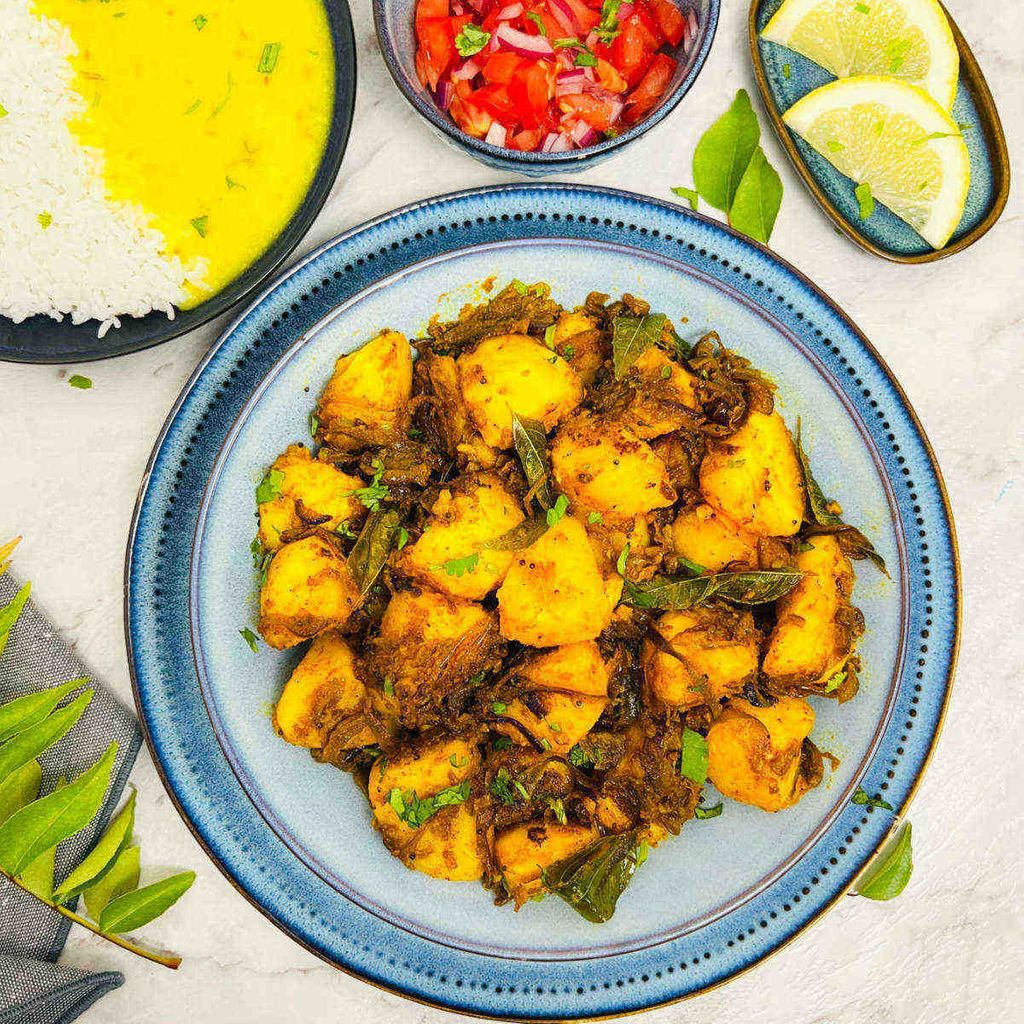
<point x="257" y="274"/>
<point x="424" y="105"/>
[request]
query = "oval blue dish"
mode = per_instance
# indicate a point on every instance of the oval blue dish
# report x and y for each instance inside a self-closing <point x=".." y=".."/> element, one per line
<point x="784" y="76"/>
<point x="394" y="22"/>
<point x="39" y="339"/>
<point x="294" y="836"/>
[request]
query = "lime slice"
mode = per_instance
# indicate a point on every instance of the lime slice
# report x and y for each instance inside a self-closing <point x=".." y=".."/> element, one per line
<point x="897" y="139"/>
<point x="908" y="39"/>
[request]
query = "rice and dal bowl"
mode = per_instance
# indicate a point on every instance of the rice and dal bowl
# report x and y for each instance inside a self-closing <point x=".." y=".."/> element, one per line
<point x="150" y="153"/>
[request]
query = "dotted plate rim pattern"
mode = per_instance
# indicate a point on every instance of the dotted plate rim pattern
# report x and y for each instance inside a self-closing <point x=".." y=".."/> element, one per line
<point x="188" y="755"/>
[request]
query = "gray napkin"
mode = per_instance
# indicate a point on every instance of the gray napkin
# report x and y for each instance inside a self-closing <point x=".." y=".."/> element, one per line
<point x="34" y="989"/>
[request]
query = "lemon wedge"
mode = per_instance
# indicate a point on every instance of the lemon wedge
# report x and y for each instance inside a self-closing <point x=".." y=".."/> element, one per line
<point x="908" y="39"/>
<point x="895" y="138"/>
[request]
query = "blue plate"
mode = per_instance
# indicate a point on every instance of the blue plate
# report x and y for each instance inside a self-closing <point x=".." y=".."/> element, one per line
<point x="295" y="837"/>
<point x="783" y="77"/>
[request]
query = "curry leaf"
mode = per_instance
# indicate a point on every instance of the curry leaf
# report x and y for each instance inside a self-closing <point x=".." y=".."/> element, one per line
<point x="531" y="441"/>
<point x="757" y="200"/>
<point x="675" y="592"/>
<point x="519" y="537"/>
<point x="20" y="788"/>
<point x="889" y="877"/>
<point x="46" y="822"/>
<point x="122" y="877"/>
<point x="38" y="876"/>
<point x="27" y="744"/>
<point x="10" y="613"/>
<point x="134" y="909"/>
<point x="723" y="153"/>
<point x="370" y="552"/>
<point x="689" y="194"/>
<point x="592" y="880"/>
<point x="632" y="336"/>
<point x="23" y="712"/>
<point x="693" y="757"/>
<point x="102" y="856"/>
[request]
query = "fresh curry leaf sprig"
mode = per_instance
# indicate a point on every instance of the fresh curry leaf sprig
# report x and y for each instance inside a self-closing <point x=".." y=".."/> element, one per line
<point x="632" y="336"/>
<point x="679" y="592"/>
<point x="889" y="875"/>
<point x="531" y="443"/>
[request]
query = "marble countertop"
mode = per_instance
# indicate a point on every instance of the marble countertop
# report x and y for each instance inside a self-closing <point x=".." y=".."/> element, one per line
<point x="951" y="948"/>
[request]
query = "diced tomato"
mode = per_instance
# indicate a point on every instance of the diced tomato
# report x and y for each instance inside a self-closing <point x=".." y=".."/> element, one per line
<point x="527" y="141"/>
<point x="497" y="101"/>
<point x="642" y="99"/>
<point x="467" y="115"/>
<point x="608" y="78"/>
<point x="422" y="72"/>
<point x="631" y="51"/>
<point x="597" y="112"/>
<point x="437" y="44"/>
<point x="531" y="91"/>
<point x="648" y="20"/>
<point x="502" y="66"/>
<point x="670" y="20"/>
<point x="431" y="9"/>
<point x="587" y="18"/>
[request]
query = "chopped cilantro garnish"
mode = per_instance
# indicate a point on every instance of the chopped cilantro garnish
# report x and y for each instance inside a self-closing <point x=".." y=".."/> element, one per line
<point x="620" y="562"/>
<point x="786" y="71"/>
<point x="199" y="223"/>
<point x="536" y="19"/>
<point x="270" y="487"/>
<point x="865" y="200"/>
<point x="250" y="638"/>
<point x="268" y="58"/>
<point x="558" y="510"/>
<point x="595" y="517"/>
<point x="499" y="707"/>
<point x="231" y="183"/>
<point x="458" y="567"/>
<point x="78" y="381"/>
<point x="520" y="287"/>
<point x="549" y="336"/>
<point x="456" y="762"/>
<point x="199" y="21"/>
<point x="558" y="809"/>
<point x="835" y="681"/>
<point x="501" y="743"/>
<point x="608" y="27"/>
<point x="416" y="812"/>
<point x="314" y="424"/>
<point x="471" y="40"/>
<point x="389" y="687"/>
<point x="506" y="789"/>
<point x="861" y="797"/>
<point x="693" y="757"/>
<point x="403" y="537"/>
<point x="375" y="492"/>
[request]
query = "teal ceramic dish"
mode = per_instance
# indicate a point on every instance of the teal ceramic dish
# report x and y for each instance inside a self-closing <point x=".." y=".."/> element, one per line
<point x="394" y="22"/>
<point x="295" y="837"/>
<point x="784" y="76"/>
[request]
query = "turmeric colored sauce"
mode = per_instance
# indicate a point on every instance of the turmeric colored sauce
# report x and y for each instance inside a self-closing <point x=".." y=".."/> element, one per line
<point x="212" y="115"/>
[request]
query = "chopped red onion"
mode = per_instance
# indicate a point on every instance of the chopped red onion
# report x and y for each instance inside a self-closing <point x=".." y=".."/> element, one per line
<point x="625" y="10"/>
<point x="555" y="143"/>
<point x="571" y="83"/>
<point x="523" y="43"/>
<point x="445" y="94"/>
<point x="616" y="112"/>
<point x="510" y="12"/>
<point x="691" y="29"/>
<point x="563" y="14"/>
<point x="466" y="71"/>
<point x="496" y="134"/>
<point x="583" y="134"/>
<point x="458" y="9"/>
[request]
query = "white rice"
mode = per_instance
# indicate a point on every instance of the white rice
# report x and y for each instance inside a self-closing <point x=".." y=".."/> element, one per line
<point x="98" y="259"/>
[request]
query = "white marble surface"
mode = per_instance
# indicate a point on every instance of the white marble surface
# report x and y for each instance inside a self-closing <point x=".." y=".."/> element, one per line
<point x="951" y="948"/>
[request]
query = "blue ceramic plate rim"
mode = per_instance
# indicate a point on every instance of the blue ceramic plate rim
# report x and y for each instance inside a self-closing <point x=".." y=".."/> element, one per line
<point x="164" y="675"/>
<point x="424" y="104"/>
<point x="76" y="343"/>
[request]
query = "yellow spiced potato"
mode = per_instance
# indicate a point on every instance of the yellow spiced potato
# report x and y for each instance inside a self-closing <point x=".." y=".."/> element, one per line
<point x="517" y="374"/>
<point x="817" y="627"/>
<point x="366" y="401"/>
<point x="554" y="594"/>
<point x="525" y="649"/>
<point x="604" y="468"/>
<point x="452" y="554"/>
<point x="759" y="755"/>
<point x="307" y="492"/>
<point x="714" y="651"/>
<point x="308" y="589"/>
<point x="322" y="691"/>
<point x="754" y="478"/>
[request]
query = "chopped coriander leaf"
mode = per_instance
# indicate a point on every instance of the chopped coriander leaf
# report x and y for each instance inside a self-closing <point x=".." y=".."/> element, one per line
<point x="499" y="707"/>
<point x="862" y="798"/>
<point x="578" y="757"/>
<point x="389" y="687"/>
<point x="835" y="681"/>
<point x="666" y="372"/>
<point x="595" y="517"/>
<point x="471" y="40"/>
<point x="456" y="762"/>
<point x="268" y="58"/>
<point x="520" y="287"/>
<point x="505" y="788"/>
<point x="693" y="757"/>
<point x="199" y="21"/>
<point x="585" y="59"/>
<point x="786" y="71"/>
<point x="3" y="110"/>
<point x="558" y="510"/>
<point x="403" y="537"/>
<point x="250" y="638"/>
<point x="608" y="27"/>
<point x="375" y="492"/>
<point x="620" y="562"/>
<point x="231" y="183"/>
<point x="549" y="336"/>
<point x="314" y="424"/>
<point x="546" y="744"/>
<point x="200" y="223"/>
<point x="45" y="219"/>
<point x="862" y="8"/>
<point x="835" y="147"/>
<point x="865" y="200"/>
<point x="344" y="530"/>
<point x="569" y="351"/>
<point x="416" y="812"/>
<point x="689" y="194"/>
<point x="501" y="743"/>
<point x="270" y="487"/>
<point x="642" y="852"/>
<point x="78" y="381"/>
<point x="458" y="567"/>
<point x="703" y="813"/>
<point x="558" y="809"/>
<point x="536" y="19"/>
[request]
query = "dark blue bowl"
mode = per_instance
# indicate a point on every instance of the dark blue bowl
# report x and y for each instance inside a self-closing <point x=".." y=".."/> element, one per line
<point x="394" y="21"/>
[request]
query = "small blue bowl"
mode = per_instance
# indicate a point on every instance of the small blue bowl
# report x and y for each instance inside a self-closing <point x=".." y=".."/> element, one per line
<point x="394" y="21"/>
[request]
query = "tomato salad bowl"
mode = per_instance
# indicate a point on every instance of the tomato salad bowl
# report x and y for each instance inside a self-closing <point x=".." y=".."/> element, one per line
<point x="542" y="86"/>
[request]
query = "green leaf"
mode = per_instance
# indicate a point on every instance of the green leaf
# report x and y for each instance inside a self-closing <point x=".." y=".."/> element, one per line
<point x="38" y="876"/>
<point x="677" y="593"/>
<point x="891" y="872"/>
<point x="370" y="552"/>
<point x="374" y="492"/>
<point x="9" y="615"/>
<point x="19" y="789"/>
<point x="458" y="567"/>
<point x="251" y="639"/>
<point x="865" y="200"/>
<point x="122" y="877"/>
<point x="29" y="743"/>
<point x="52" y="819"/>
<point x="595" y="518"/>
<point x="76" y="380"/>
<point x="693" y="757"/>
<point x="200" y="224"/>
<point x="522" y="536"/>
<point x="102" y="856"/>
<point x="834" y="682"/>
<point x="758" y="198"/>
<point x="471" y="40"/>
<point x="26" y="711"/>
<point x="557" y="511"/>
<point x="416" y="812"/>
<point x="689" y="194"/>
<point x="268" y="58"/>
<point x="592" y="880"/>
<point x="133" y="909"/>
<point x="537" y="20"/>
<point x="632" y="336"/>
<point x="723" y="153"/>
<point x="269" y="487"/>
<point x="531" y="441"/>
<point x="199" y="21"/>
<point x="862" y="797"/>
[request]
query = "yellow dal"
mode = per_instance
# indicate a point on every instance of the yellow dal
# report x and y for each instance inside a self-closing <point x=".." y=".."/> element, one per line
<point x="190" y="128"/>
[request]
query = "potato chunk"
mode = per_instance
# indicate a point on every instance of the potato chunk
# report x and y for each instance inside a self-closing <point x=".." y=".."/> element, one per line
<point x="308" y="589"/>
<point x="553" y="593"/>
<point x="367" y="398"/>
<point x="463" y="520"/>
<point x="322" y="691"/>
<point x="308" y="490"/>
<point x="758" y="755"/>
<point x="754" y="478"/>
<point x="514" y="373"/>
<point x="602" y="467"/>
<point x="712" y="540"/>
<point x="580" y="343"/>
<point x="563" y="691"/>
<point x="715" y="653"/>
<point x="525" y="852"/>
<point x="664" y="398"/>
<point x="816" y="627"/>
<point x="445" y="845"/>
